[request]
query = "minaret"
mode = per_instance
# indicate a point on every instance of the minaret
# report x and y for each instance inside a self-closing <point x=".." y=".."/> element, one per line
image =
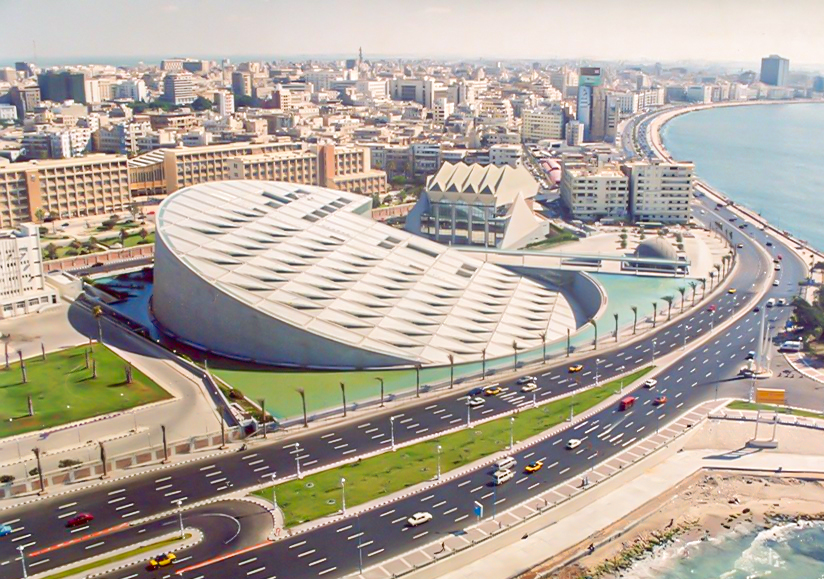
<point x="360" y="56"/>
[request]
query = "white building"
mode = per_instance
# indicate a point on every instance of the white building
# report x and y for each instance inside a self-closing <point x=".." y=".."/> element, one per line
<point x="575" y="133"/>
<point x="699" y="93"/>
<point x="500" y="155"/>
<point x="592" y="192"/>
<point x="54" y="142"/>
<point x="322" y="79"/>
<point x="442" y="110"/>
<point x="660" y="192"/>
<point x="178" y="89"/>
<point x="627" y="102"/>
<point x="8" y="113"/>
<point x="543" y="123"/>
<point x="23" y="289"/>
<point x="134" y="90"/>
<point x="122" y="138"/>
<point x="225" y="103"/>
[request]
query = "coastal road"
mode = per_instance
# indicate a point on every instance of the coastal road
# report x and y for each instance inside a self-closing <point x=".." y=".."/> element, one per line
<point x="40" y="525"/>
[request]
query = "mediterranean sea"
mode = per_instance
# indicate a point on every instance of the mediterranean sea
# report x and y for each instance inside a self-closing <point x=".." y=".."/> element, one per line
<point x="769" y="158"/>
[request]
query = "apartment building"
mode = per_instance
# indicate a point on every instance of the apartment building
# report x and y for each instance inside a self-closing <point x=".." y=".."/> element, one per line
<point x="292" y="166"/>
<point x="349" y="168"/>
<point x="500" y="155"/>
<point x="55" y="142"/>
<point x="543" y="123"/>
<point x="180" y="121"/>
<point x="591" y="191"/>
<point x="660" y="192"/>
<point x="121" y="138"/>
<point x="178" y="88"/>
<point x="224" y="103"/>
<point x="23" y="288"/>
<point x="91" y="185"/>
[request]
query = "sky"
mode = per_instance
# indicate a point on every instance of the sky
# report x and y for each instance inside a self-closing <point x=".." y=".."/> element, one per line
<point x="729" y="31"/>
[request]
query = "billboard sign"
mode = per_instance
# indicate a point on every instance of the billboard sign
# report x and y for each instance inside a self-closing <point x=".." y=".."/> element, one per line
<point x="589" y="76"/>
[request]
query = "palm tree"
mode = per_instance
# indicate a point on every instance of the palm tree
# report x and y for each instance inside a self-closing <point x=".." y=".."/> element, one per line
<point x="654" y="313"/>
<point x="669" y="300"/>
<point x="616" y="326"/>
<point x="451" y="370"/>
<point x="717" y="271"/>
<point x="515" y="349"/>
<point x="683" y="291"/>
<point x="693" y="286"/>
<point x="594" y="327"/>
<point x="634" y="318"/>
<point x="97" y="312"/>
<point x="703" y="281"/>
<point x="543" y="345"/>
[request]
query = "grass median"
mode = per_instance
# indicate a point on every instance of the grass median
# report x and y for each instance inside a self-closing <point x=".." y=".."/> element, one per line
<point x="742" y="405"/>
<point x="319" y="495"/>
<point x="63" y="390"/>
<point x="117" y="558"/>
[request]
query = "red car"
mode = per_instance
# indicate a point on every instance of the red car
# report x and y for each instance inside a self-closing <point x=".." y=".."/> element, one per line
<point x="79" y="520"/>
<point x="711" y="308"/>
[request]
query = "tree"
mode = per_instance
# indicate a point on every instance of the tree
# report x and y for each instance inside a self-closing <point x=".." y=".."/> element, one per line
<point x="616" y="326"/>
<point x="634" y="318"/>
<point x="376" y="200"/>
<point x="143" y="233"/>
<point x="202" y="104"/>
<point x="654" y="313"/>
<point x="703" y="281"/>
<point x="39" y="215"/>
<point x="134" y="209"/>
<point x="91" y="242"/>
<point x="515" y="349"/>
<point x="51" y="251"/>
<point x="669" y="300"/>
<point x="683" y="291"/>
<point x="97" y="312"/>
<point x="693" y="286"/>
<point x="123" y="236"/>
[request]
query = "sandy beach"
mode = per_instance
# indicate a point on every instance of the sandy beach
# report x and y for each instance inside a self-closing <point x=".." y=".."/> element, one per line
<point x="706" y="505"/>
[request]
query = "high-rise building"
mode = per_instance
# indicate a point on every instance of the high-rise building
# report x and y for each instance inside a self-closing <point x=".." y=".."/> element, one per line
<point x="775" y="70"/>
<point x="25" y="99"/>
<point x="543" y="123"/>
<point x="818" y="84"/>
<point x="63" y="85"/>
<point x="588" y="78"/>
<point x="242" y="83"/>
<point x="224" y="103"/>
<point x="598" y="114"/>
<point x="121" y="138"/>
<point x="178" y="88"/>
<point x="23" y="288"/>
<point x="592" y="192"/>
<point x="660" y="192"/>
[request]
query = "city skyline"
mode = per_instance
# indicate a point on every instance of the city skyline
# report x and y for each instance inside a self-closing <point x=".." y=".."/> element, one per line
<point x="647" y="31"/>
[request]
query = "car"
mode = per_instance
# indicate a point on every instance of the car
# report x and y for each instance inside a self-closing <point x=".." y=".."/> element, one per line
<point x="5" y="530"/>
<point x="573" y="443"/>
<point x="419" y="519"/>
<point x="770" y="302"/>
<point x="475" y="401"/>
<point x="751" y="355"/>
<point x="576" y="368"/>
<point x="529" y="387"/>
<point x="627" y="402"/>
<point x="501" y="476"/>
<point x="732" y="219"/>
<point x="80" y="519"/>
<point x="777" y="267"/>
<point x="731" y="291"/>
<point x="780" y="257"/>
<point x="65" y="225"/>
<point x="776" y="283"/>
<point x="534" y="466"/>
<point x="527" y="379"/>
<point x="476" y="392"/>
<point x="781" y="302"/>
<point x="660" y="401"/>
<point x="769" y="244"/>
<point x="756" y="309"/>
<point x="742" y="226"/>
<point x="162" y="560"/>
<point x="650" y="383"/>
<point x="712" y="308"/>
<point x="740" y="246"/>
<point x="492" y="390"/>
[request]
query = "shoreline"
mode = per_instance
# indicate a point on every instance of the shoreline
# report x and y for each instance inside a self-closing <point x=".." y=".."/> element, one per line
<point x="707" y="507"/>
<point x="657" y="124"/>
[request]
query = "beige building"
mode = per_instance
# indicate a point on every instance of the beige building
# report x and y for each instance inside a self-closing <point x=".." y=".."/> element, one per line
<point x="349" y="168"/>
<point x="660" y="192"/>
<point x="92" y="185"/>
<point x="291" y="166"/>
<point x="543" y="123"/>
<point x="592" y="192"/>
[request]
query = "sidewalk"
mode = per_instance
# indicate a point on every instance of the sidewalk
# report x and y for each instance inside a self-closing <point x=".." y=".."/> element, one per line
<point x="573" y="522"/>
<point x="812" y="369"/>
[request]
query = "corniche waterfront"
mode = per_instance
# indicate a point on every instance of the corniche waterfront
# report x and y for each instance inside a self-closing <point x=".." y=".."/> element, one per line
<point x="759" y="156"/>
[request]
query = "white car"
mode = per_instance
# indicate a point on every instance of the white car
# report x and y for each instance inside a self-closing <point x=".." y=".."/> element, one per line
<point x="650" y="383"/>
<point x="526" y="379"/>
<point x="781" y="302"/>
<point x="529" y="387"/>
<point x="776" y="283"/>
<point x="419" y="519"/>
<point x="499" y="477"/>
<point x="475" y="401"/>
<point x="573" y="443"/>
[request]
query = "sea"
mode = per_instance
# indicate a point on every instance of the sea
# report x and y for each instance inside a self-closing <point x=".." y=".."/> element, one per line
<point x="768" y="157"/>
<point x="785" y="551"/>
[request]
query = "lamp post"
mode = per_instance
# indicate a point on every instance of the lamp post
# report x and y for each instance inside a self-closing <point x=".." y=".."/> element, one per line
<point x="297" y="458"/>
<point x="179" y="503"/>
<point x="686" y="330"/>
<point x="417" y="380"/>
<point x="379" y="379"/>
<point x="392" y="431"/>
<point x="511" y="432"/>
<point x="23" y="561"/>
<point x="274" y="492"/>
<point x="343" y="495"/>
<point x="468" y="416"/>
<point x="597" y="365"/>
<point x="439" y="462"/>
<point x="653" y="351"/>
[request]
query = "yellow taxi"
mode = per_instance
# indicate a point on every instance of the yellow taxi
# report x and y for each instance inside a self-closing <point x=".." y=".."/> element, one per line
<point x="576" y="368"/>
<point x="492" y="390"/>
<point x="534" y="466"/>
<point x="162" y="560"/>
<point x="731" y="290"/>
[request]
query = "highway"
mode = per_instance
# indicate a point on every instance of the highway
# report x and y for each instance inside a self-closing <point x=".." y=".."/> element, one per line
<point x="327" y="552"/>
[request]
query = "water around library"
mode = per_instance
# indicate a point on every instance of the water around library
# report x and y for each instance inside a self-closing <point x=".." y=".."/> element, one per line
<point x="768" y="158"/>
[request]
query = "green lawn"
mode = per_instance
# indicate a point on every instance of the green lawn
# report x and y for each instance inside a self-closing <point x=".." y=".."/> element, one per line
<point x="63" y="390"/>
<point x="742" y="405"/>
<point x="132" y="240"/>
<point x="318" y="495"/>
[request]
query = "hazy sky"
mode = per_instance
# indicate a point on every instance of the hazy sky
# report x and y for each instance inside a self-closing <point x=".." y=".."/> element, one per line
<point x="650" y="30"/>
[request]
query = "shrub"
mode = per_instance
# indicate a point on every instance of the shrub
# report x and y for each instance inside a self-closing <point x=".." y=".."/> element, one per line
<point x="235" y="394"/>
<point x="68" y="462"/>
<point x="33" y="472"/>
<point x="6" y="479"/>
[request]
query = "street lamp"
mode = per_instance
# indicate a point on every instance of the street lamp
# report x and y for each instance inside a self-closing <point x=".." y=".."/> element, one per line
<point x="468" y="416"/>
<point x="274" y="492"/>
<point x="297" y="458"/>
<point x="653" y="351"/>
<point x="392" y="431"/>
<point x="597" y="364"/>
<point x="343" y="495"/>
<point x="439" y="462"/>
<point x="179" y="503"/>
<point x="511" y="432"/>
<point x="23" y="561"/>
<point x="686" y="331"/>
